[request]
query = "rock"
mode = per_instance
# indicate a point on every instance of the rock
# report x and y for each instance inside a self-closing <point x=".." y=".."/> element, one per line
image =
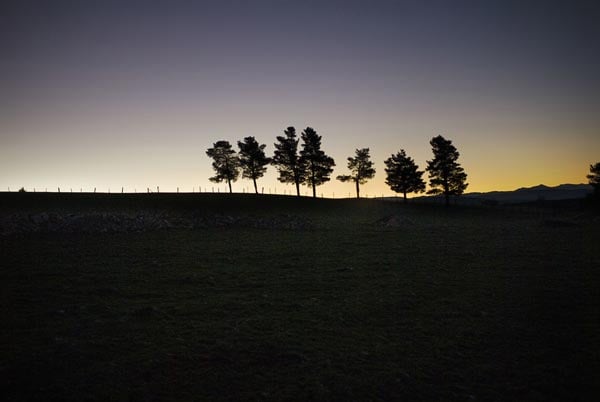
<point x="114" y="222"/>
<point x="39" y="219"/>
<point x="395" y="221"/>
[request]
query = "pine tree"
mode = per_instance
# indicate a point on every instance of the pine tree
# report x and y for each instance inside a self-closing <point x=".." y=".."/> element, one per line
<point x="318" y="165"/>
<point x="361" y="168"/>
<point x="253" y="160"/>
<point x="403" y="175"/>
<point x="287" y="160"/>
<point x="225" y="163"/>
<point x="594" y="178"/>
<point x="446" y="176"/>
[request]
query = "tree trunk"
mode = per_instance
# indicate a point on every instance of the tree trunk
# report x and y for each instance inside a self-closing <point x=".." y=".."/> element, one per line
<point x="405" y="197"/>
<point x="447" y="192"/>
<point x="357" y="190"/>
<point x="314" y="190"/>
<point x="229" y="182"/>
<point x="255" y="188"/>
<point x="298" y="188"/>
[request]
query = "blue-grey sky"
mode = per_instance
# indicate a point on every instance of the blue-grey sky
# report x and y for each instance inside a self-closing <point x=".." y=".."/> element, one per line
<point x="131" y="93"/>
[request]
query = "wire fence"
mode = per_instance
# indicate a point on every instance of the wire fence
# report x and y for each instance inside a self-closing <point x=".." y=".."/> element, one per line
<point x="200" y="189"/>
<point x="540" y="207"/>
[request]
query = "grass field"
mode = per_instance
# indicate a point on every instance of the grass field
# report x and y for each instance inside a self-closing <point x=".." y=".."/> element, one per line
<point x="441" y="304"/>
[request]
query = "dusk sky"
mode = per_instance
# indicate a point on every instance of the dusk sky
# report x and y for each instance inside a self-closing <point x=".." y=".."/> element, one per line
<point x="131" y="93"/>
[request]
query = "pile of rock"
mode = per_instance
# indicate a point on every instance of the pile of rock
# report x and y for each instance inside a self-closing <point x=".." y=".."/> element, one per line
<point x="289" y="222"/>
<point x="114" y="222"/>
<point x="395" y="221"/>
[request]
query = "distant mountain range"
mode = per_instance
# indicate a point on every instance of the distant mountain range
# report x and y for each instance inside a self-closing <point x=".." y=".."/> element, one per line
<point x="525" y="194"/>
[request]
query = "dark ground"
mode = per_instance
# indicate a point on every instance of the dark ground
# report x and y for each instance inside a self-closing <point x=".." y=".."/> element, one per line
<point x="367" y="301"/>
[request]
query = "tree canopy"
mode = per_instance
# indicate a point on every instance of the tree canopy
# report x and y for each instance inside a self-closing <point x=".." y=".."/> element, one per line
<point x="287" y="160"/>
<point x="403" y="175"/>
<point x="226" y="163"/>
<point x="594" y="177"/>
<point x="446" y="176"/>
<point x="252" y="159"/>
<point x="361" y="167"/>
<point x="318" y="165"/>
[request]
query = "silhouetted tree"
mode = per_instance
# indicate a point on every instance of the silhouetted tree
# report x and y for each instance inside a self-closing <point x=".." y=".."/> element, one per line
<point x="253" y="160"/>
<point x="226" y="163"/>
<point x="403" y="175"/>
<point x="594" y="178"/>
<point x="287" y="160"/>
<point x="318" y="165"/>
<point x="446" y="176"/>
<point x="361" y="168"/>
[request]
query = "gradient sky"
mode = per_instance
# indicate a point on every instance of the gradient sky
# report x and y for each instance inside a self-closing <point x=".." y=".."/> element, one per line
<point x="131" y="93"/>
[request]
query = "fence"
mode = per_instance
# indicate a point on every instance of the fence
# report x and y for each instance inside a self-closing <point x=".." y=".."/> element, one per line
<point x="539" y="207"/>
<point x="307" y="192"/>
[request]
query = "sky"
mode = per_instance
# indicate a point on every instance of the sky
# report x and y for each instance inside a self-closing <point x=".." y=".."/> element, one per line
<point x="111" y="94"/>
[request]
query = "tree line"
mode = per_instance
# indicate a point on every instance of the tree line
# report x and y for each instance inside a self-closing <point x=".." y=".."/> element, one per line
<point x="307" y="164"/>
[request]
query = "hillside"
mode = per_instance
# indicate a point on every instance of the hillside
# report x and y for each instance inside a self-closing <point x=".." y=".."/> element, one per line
<point x="521" y="195"/>
<point x="536" y="193"/>
<point x="117" y="297"/>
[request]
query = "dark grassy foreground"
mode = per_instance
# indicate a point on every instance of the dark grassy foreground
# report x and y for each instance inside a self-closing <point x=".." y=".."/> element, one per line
<point x="459" y="304"/>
